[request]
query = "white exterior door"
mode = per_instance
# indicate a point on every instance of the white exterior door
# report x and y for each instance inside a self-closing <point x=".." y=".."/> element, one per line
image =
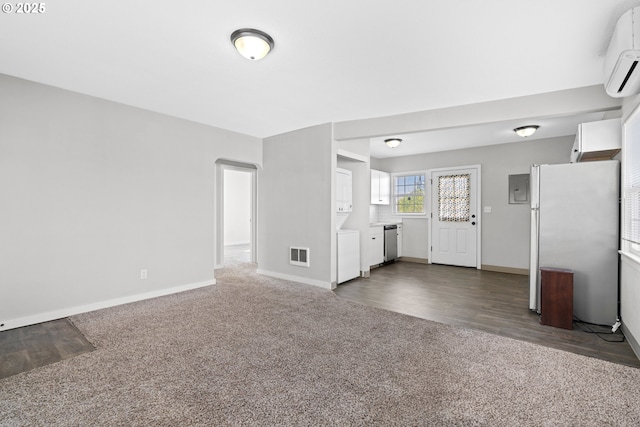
<point x="454" y="217"/>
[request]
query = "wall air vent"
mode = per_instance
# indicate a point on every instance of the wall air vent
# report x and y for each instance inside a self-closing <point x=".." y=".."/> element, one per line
<point x="299" y="256"/>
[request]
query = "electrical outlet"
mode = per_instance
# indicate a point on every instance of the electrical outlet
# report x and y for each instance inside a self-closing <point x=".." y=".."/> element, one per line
<point x="616" y="325"/>
<point x="143" y="274"/>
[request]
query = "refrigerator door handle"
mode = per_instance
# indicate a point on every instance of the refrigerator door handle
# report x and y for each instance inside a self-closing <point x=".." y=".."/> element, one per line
<point x="534" y="289"/>
<point x="534" y="267"/>
<point x="534" y="184"/>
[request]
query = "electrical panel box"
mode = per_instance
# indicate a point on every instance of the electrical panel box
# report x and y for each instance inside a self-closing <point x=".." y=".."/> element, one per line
<point x="519" y="188"/>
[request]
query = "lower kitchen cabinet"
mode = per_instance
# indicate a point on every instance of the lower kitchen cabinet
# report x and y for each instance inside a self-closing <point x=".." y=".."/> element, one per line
<point x="348" y="255"/>
<point x="376" y="245"/>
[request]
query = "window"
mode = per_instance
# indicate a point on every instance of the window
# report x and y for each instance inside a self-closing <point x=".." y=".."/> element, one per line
<point x="631" y="183"/>
<point x="408" y="194"/>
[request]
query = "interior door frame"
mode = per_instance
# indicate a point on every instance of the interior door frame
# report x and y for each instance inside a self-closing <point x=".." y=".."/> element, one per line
<point x="221" y="166"/>
<point x="478" y="189"/>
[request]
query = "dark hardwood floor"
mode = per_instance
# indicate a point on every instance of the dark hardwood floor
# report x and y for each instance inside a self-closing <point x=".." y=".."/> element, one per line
<point x="29" y="347"/>
<point x="484" y="300"/>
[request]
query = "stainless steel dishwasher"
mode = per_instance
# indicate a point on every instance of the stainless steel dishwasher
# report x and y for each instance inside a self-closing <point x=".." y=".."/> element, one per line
<point x="390" y="242"/>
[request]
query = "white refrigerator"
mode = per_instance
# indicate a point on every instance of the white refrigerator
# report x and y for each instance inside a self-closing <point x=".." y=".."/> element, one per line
<point x="575" y="225"/>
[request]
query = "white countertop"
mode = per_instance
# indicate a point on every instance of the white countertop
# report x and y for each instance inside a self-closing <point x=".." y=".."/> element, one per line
<point x="383" y="223"/>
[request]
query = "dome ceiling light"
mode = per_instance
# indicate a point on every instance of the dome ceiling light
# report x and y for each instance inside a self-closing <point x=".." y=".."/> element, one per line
<point x="393" y="142"/>
<point x="252" y="44"/>
<point x="525" y="131"/>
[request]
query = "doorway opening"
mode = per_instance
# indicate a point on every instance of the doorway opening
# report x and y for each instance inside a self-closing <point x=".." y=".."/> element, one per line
<point x="236" y="225"/>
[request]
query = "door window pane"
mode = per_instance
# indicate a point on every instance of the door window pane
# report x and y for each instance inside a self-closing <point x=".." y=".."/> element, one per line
<point x="454" y="197"/>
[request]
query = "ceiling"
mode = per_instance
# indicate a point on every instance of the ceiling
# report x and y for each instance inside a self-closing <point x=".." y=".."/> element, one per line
<point x="333" y="60"/>
<point x="481" y="135"/>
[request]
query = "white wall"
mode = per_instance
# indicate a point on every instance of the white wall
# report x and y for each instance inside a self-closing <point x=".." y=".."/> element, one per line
<point x="360" y="147"/>
<point x="94" y="191"/>
<point x="415" y="235"/>
<point x="237" y="207"/>
<point x="505" y="231"/>
<point x="630" y="301"/>
<point x="295" y="204"/>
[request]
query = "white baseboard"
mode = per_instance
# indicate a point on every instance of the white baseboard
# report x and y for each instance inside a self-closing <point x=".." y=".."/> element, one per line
<point x="304" y="280"/>
<point x="633" y="343"/>
<point x="71" y="311"/>
<point x="510" y="270"/>
<point x="413" y="259"/>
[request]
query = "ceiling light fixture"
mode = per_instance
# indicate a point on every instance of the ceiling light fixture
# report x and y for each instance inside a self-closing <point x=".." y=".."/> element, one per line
<point x="252" y="44"/>
<point x="525" y="131"/>
<point x="393" y="142"/>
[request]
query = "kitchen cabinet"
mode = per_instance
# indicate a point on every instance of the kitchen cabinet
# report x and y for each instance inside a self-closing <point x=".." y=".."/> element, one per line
<point x="399" y="240"/>
<point x="380" y="187"/>
<point x="348" y="255"/>
<point x="376" y="245"/>
<point x="599" y="140"/>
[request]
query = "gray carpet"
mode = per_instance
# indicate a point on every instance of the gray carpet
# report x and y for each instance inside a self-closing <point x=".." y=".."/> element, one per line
<point x="253" y="350"/>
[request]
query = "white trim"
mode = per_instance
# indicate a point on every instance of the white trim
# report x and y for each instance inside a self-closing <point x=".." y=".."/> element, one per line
<point x="393" y="192"/>
<point x="303" y="280"/>
<point x="453" y="168"/>
<point x="633" y="343"/>
<point x="631" y="259"/>
<point x="221" y="166"/>
<point x="479" y="216"/>
<point x="72" y="311"/>
<point x="414" y="172"/>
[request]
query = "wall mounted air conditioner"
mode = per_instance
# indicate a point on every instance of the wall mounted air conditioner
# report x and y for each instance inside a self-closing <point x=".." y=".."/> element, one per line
<point x="621" y="68"/>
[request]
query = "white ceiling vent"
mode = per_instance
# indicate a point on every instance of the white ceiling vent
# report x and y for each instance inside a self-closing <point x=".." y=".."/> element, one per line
<point x="621" y="70"/>
<point x="299" y="256"/>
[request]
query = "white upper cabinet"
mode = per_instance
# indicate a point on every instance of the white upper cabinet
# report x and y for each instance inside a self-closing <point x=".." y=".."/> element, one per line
<point x="380" y="187"/>
<point x="600" y="140"/>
